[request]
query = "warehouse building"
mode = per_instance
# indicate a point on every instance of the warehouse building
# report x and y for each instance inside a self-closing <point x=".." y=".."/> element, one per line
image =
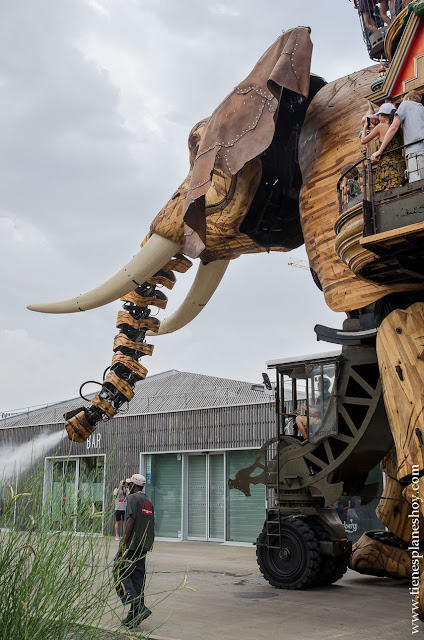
<point x="187" y="433"/>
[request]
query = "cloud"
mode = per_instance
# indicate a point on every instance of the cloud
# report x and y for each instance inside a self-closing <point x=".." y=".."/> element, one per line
<point x="26" y="256"/>
<point x="50" y="358"/>
<point x="30" y="362"/>
<point x="99" y="8"/>
<point x="98" y="98"/>
<point x="263" y="309"/>
<point x="21" y="234"/>
<point x="224" y="10"/>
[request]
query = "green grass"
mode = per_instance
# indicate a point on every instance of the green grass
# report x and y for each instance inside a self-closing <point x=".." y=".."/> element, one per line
<point x="53" y="583"/>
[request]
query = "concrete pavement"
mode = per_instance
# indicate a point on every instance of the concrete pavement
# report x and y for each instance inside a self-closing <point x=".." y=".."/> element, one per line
<point x="226" y="598"/>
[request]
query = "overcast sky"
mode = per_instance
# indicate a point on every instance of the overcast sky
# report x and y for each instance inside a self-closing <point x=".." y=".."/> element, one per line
<point x="97" y="100"/>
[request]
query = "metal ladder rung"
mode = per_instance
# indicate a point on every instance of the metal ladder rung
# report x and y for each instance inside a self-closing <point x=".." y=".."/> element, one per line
<point x="271" y="458"/>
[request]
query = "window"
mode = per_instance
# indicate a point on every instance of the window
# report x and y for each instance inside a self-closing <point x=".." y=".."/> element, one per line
<point x="164" y="489"/>
<point x="74" y="491"/>
<point x="322" y="407"/>
<point x="245" y="514"/>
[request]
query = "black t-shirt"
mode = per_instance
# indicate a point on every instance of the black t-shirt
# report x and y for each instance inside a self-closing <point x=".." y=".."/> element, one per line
<point x="140" y="508"/>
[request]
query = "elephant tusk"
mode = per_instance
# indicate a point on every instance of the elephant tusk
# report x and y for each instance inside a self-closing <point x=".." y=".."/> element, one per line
<point x="151" y="257"/>
<point x="204" y="285"/>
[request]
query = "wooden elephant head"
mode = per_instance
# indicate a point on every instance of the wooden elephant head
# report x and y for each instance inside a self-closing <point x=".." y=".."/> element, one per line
<point x="242" y="191"/>
<point x="241" y="196"/>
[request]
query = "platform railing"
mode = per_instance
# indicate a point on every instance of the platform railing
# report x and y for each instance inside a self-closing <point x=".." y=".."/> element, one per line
<point x="372" y="190"/>
<point x="375" y="41"/>
<point x="353" y="190"/>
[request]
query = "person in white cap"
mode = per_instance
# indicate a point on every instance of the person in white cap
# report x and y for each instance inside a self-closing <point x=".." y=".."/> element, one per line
<point x="384" y="117"/>
<point x="137" y="541"/>
<point x="411" y="115"/>
<point x="391" y="170"/>
<point x="120" y="494"/>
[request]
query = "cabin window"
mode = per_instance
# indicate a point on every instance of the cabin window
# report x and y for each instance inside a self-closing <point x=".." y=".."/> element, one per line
<point x="307" y="396"/>
<point x="321" y="402"/>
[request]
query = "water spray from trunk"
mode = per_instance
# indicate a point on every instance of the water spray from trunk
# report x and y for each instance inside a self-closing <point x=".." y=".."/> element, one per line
<point x="16" y="460"/>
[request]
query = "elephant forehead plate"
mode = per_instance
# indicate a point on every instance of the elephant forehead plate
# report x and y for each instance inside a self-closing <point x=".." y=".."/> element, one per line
<point x="243" y="125"/>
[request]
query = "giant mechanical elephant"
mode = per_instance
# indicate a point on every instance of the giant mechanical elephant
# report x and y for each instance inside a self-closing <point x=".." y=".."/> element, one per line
<point x="263" y="176"/>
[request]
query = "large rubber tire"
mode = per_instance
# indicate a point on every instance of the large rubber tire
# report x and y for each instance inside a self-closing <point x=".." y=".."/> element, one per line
<point x="298" y="564"/>
<point x="333" y="568"/>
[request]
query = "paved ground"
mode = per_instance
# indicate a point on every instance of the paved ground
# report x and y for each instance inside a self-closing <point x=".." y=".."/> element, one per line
<point x="226" y="598"/>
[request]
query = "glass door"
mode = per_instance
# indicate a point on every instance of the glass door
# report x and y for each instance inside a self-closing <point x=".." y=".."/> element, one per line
<point x="206" y="497"/>
<point x="164" y="488"/>
<point x="197" y="497"/>
<point x="245" y="515"/>
<point x="63" y="493"/>
<point x="90" y="495"/>
<point x="216" y="497"/>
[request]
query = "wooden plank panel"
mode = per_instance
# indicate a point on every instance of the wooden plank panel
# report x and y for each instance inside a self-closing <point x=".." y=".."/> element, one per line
<point x="400" y="350"/>
<point x="393" y="233"/>
<point x="329" y="141"/>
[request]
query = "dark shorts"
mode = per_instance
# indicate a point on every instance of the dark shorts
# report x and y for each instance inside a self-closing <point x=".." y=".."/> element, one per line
<point x="119" y="515"/>
<point x="367" y="6"/>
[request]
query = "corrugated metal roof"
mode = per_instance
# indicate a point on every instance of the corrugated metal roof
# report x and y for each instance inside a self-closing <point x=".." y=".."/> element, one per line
<point x="161" y="393"/>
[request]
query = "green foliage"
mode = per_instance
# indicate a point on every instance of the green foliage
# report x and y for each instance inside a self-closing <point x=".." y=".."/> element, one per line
<point x="54" y="583"/>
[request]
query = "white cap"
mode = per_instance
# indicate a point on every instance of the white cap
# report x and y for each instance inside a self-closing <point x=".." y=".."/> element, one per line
<point x="386" y="109"/>
<point x="137" y="479"/>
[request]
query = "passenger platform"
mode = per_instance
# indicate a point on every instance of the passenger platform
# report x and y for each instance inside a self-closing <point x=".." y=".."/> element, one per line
<point x="380" y="228"/>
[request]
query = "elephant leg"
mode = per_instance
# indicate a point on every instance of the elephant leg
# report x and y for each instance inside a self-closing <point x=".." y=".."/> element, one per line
<point x="381" y="553"/>
<point x="394" y="509"/>
<point x="414" y="494"/>
<point x="129" y="346"/>
<point x="400" y="352"/>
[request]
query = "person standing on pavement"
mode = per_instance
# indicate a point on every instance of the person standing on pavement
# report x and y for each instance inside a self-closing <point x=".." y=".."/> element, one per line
<point x="120" y="494"/>
<point x="138" y="540"/>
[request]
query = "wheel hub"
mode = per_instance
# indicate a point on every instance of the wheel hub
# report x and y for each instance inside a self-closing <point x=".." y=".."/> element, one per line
<point x="285" y="554"/>
<point x="289" y="553"/>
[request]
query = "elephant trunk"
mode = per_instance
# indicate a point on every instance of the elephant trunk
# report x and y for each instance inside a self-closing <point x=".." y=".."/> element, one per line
<point x="129" y="346"/>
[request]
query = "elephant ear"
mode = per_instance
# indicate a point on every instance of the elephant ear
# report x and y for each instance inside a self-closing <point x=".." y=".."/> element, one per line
<point x="243" y="125"/>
